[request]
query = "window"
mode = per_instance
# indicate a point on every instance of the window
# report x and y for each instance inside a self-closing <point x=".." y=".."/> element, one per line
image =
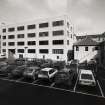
<point x="30" y="35"/>
<point x="4" y="30"/>
<point x="20" y="50"/>
<point x="11" y="36"/>
<point x="96" y="48"/>
<point x="11" y="29"/>
<point x="31" y="43"/>
<point x="31" y="26"/>
<point x="43" y="25"/>
<point x="45" y="42"/>
<point x="58" y="23"/>
<point x="11" y="51"/>
<point x="43" y="51"/>
<point x="4" y="43"/>
<point x="4" y="37"/>
<point x="58" y="42"/>
<point x="86" y="48"/>
<point x="57" y="51"/>
<point x="20" y="43"/>
<point x="11" y="43"/>
<point x="68" y="24"/>
<point x="20" y="36"/>
<point x="3" y="50"/>
<point x="20" y="28"/>
<point x="31" y="50"/>
<point x="77" y="48"/>
<point x="43" y="34"/>
<point x="57" y="57"/>
<point x="59" y="32"/>
<point x="67" y="42"/>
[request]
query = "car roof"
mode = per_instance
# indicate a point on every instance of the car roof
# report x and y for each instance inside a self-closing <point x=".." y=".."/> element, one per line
<point x="86" y="71"/>
<point x="33" y="67"/>
<point x="46" y="69"/>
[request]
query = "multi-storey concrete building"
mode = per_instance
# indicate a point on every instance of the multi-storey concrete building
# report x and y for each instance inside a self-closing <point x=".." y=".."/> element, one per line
<point x="49" y="38"/>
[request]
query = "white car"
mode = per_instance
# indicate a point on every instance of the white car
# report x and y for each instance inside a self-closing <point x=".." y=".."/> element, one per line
<point x="47" y="73"/>
<point x="86" y="78"/>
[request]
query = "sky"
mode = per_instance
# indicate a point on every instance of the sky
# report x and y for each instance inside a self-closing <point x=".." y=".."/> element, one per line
<point x="87" y="16"/>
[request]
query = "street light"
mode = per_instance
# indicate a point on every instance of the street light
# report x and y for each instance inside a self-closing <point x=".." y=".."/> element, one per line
<point x="25" y="54"/>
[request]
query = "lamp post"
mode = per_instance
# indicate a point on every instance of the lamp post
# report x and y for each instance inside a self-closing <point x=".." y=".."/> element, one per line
<point x="25" y="54"/>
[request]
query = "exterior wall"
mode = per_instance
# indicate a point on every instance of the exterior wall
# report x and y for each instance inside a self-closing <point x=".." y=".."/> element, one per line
<point x="50" y="38"/>
<point x="83" y="55"/>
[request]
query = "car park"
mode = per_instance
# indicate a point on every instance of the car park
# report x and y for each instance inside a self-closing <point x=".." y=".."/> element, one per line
<point x="47" y="73"/>
<point x="31" y="72"/>
<point x="18" y="72"/>
<point x="86" y="77"/>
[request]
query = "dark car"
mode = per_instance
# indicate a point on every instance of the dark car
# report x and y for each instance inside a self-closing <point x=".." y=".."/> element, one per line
<point x="6" y="70"/>
<point x="31" y="72"/>
<point x="18" y="72"/>
<point x="64" y="77"/>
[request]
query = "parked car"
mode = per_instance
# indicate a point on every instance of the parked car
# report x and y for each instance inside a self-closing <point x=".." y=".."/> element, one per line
<point x="18" y="72"/>
<point x="64" y="77"/>
<point x="7" y="69"/>
<point x="31" y="72"/>
<point x="47" y="73"/>
<point x="86" y="77"/>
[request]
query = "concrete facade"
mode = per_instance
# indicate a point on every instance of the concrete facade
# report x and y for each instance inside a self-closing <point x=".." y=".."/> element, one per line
<point x="62" y="24"/>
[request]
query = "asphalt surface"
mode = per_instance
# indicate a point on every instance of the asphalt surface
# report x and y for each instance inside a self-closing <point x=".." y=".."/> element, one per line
<point x="24" y="93"/>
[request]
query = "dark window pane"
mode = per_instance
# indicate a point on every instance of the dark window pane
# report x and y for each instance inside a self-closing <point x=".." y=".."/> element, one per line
<point x="31" y="50"/>
<point x="43" y="25"/>
<point x="43" y="42"/>
<point x="4" y="43"/>
<point x="43" y="34"/>
<point x="20" y="36"/>
<point x="86" y="48"/>
<point x="20" y="51"/>
<point x="58" y="42"/>
<point x="58" y="23"/>
<point x="20" y="28"/>
<point x="3" y="50"/>
<point x="60" y="32"/>
<point x="31" y="26"/>
<point x="31" y="35"/>
<point x="20" y="43"/>
<point x="11" y="36"/>
<point x="57" y="51"/>
<point x="4" y="37"/>
<point x="43" y="51"/>
<point x="4" y="30"/>
<point x="31" y="43"/>
<point x="11" y="29"/>
<point x="11" y="43"/>
<point x="77" y="48"/>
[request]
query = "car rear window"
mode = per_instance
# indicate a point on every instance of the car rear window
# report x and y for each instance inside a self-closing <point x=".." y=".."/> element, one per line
<point x="44" y="72"/>
<point x="86" y="76"/>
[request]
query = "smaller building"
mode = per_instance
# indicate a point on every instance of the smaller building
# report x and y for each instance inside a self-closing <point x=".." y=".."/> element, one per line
<point x="97" y="37"/>
<point x="86" y="49"/>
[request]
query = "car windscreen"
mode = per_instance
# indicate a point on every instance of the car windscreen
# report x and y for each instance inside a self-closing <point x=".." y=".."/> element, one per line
<point x="43" y="72"/>
<point x="86" y="76"/>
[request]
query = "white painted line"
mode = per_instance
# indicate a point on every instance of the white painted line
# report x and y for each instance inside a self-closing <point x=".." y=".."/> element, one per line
<point x="54" y="88"/>
<point x="76" y="83"/>
<point x="20" y="79"/>
<point x="52" y="84"/>
<point x="35" y="81"/>
<point x="100" y="89"/>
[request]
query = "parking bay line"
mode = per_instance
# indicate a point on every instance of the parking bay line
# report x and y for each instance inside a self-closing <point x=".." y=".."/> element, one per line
<point x="51" y="87"/>
<point x="35" y="81"/>
<point x="19" y="79"/>
<point x="100" y="89"/>
<point x="52" y="84"/>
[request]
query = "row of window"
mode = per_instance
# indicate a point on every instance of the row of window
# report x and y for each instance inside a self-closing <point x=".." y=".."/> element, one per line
<point x="33" y="26"/>
<point x="45" y="42"/>
<point x="41" y="34"/>
<point x="42" y="51"/>
<point x="87" y="48"/>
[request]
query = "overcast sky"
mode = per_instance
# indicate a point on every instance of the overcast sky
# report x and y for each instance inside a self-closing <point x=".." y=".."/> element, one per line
<point x="88" y="16"/>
